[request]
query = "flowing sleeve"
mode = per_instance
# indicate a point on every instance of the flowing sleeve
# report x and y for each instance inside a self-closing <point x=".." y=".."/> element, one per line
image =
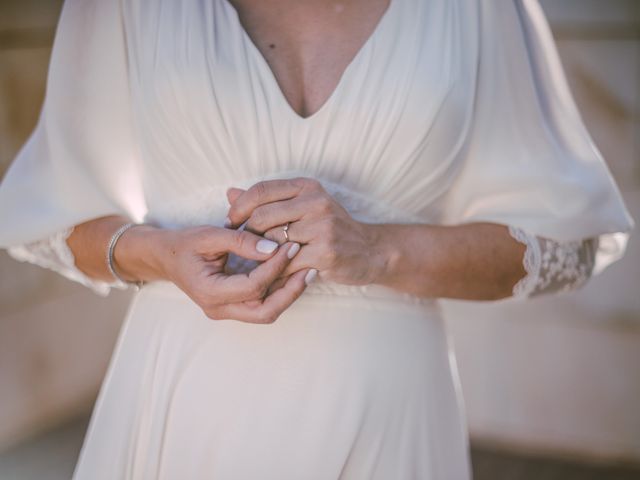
<point x="551" y="266"/>
<point x="81" y="160"/>
<point x="529" y="161"/>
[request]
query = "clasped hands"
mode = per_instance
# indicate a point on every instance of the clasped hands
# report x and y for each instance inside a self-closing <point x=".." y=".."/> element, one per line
<point x="323" y="239"/>
<point x="332" y="242"/>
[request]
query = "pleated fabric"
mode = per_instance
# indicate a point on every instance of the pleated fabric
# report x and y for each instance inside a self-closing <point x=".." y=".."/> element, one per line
<point x="452" y="111"/>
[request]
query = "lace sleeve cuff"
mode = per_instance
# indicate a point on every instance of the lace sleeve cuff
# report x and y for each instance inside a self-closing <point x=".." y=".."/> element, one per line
<point x="54" y="253"/>
<point x="551" y="266"/>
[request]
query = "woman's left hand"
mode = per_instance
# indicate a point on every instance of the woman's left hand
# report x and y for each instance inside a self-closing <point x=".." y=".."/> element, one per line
<point x="342" y="249"/>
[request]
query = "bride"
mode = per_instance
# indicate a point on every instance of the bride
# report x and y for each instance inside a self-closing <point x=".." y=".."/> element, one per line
<point x="291" y="186"/>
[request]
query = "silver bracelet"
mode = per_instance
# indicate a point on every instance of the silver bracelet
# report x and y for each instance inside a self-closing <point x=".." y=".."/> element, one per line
<point x="111" y="247"/>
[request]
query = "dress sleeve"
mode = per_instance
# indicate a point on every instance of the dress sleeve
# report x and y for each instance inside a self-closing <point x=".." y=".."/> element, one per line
<point x="81" y="161"/>
<point x="551" y="266"/>
<point x="529" y="161"/>
<point x="54" y="253"/>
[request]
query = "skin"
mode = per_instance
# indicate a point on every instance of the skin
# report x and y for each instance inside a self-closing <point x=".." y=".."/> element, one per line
<point x="307" y="46"/>
<point x="194" y="259"/>
<point x="475" y="261"/>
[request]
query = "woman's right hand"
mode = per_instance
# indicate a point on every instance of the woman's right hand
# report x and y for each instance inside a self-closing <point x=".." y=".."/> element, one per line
<point x="194" y="259"/>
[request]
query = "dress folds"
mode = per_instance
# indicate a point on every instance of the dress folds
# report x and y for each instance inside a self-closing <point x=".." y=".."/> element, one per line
<point x="452" y="111"/>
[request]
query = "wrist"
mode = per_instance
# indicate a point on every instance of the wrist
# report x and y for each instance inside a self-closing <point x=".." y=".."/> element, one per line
<point x="137" y="254"/>
<point x="385" y="253"/>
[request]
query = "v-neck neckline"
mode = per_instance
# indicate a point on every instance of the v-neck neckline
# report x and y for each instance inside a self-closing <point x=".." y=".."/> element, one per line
<point x="265" y="67"/>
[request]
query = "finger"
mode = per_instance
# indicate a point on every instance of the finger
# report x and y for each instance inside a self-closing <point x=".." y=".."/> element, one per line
<point x="233" y="193"/>
<point x="244" y="244"/>
<point x="310" y="256"/>
<point x="274" y="214"/>
<point x="271" y="307"/>
<point x="301" y="231"/>
<point x="254" y="284"/>
<point x="266" y="191"/>
<point x="278" y="283"/>
<point x="282" y="298"/>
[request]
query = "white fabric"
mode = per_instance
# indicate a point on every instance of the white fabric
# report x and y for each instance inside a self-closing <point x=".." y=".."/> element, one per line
<point x="552" y="266"/>
<point x="453" y="111"/>
<point x="54" y="253"/>
<point x="530" y="162"/>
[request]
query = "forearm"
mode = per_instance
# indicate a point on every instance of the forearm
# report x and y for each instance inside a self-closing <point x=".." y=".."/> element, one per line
<point x="136" y="256"/>
<point x="477" y="261"/>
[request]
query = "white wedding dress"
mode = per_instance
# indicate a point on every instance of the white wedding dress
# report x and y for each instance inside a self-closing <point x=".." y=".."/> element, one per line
<point x="453" y="111"/>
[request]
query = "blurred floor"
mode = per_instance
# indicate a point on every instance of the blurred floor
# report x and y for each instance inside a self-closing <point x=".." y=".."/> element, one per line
<point x="52" y="456"/>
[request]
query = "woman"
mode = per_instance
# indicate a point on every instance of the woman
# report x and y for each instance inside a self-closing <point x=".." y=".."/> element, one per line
<point x="404" y="150"/>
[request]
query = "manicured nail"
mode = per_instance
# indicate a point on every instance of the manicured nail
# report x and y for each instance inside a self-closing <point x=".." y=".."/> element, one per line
<point x="266" y="246"/>
<point x="227" y="222"/>
<point x="293" y="249"/>
<point x="310" y="276"/>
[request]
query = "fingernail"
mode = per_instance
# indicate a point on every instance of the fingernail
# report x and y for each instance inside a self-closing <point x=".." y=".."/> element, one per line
<point x="227" y="222"/>
<point x="293" y="249"/>
<point x="266" y="246"/>
<point x="310" y="276"/>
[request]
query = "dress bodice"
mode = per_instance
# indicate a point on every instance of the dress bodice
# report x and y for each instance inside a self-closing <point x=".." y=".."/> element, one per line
<point x="210" y="114"/>
<point x="453" y="111"/>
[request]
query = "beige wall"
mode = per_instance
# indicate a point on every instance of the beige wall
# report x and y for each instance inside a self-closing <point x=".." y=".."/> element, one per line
<point x="557" y="374"/>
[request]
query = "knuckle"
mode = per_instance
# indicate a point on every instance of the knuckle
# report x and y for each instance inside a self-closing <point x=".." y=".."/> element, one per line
<point x="268" y="317"/>
<point x="197" y="235"/>
<point x="232" y="213"/>
<point x="209" y="305"/>
<point x="239" y="238"/>
<point x="196" y="294"/>
<point x="311" y="183"/>
<point x="260" y="190"/>
<point x="258" y="289"/>
<point x="213" y="314"/>
<point x="274" y="235"/>
<point x="300" y="182"/>
<point x="258" y="218"/>
<point x="324" y="203"/>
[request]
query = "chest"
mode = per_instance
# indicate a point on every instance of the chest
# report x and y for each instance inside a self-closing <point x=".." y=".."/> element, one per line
<point x="214" y="105"/>
<point x="308" y="45"/>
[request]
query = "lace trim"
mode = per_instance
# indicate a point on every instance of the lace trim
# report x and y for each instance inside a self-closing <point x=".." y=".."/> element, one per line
<point x="553" y="266"/>
<point x="532" y="260"/>
<point x="54" y="254"/>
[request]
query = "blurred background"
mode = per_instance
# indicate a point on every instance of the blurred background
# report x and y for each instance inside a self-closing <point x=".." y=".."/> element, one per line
<point x="552" y="386"/>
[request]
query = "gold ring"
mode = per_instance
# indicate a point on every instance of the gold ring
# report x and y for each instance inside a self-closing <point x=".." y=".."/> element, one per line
<point x="284" y="229"/>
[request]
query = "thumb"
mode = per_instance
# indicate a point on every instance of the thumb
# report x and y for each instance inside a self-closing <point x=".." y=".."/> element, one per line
<point x="240" y="242"/>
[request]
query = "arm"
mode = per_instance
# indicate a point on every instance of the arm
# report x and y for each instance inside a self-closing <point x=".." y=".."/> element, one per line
<point x="474" y="261"/>
<point x="554" y="266"/>
<point x="195" y="260"/>
<point x="136" y="256"/>
<point x="79" y="254"/>
<point x="53" y="252"/>
<point x="479" y="261"/>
